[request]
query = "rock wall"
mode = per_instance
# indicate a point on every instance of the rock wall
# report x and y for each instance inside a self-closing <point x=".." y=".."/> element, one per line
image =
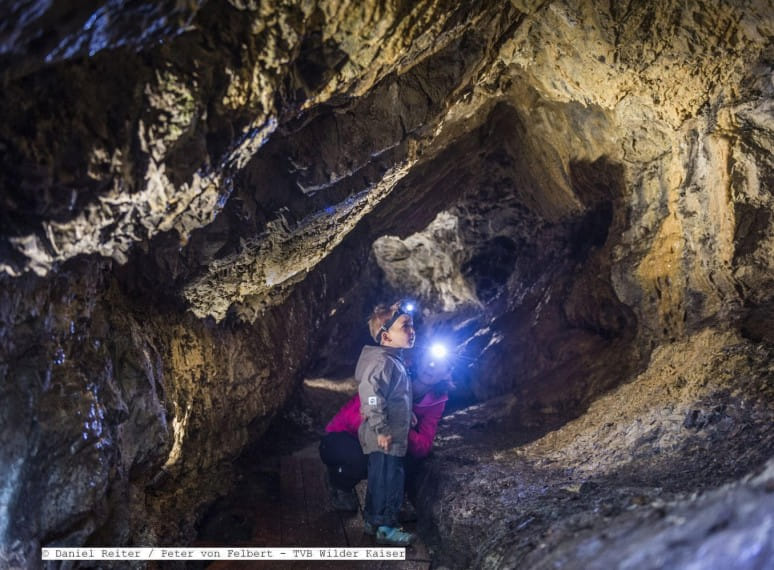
<point x="190" y="194"/>
<point x="636" y="481"/>
<point x="621" y="191"/>
<point x="122" y="409"/>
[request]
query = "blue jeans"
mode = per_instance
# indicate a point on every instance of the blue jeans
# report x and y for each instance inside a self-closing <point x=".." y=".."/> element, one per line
<point x="384" y="494"/>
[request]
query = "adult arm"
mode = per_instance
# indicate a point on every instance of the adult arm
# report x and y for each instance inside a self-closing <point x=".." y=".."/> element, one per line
<point x="347" y="418"/>
<point x="420" y="438"/>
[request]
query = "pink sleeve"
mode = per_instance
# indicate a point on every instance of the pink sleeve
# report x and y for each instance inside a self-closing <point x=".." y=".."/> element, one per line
<point x="420" y="439"/>
<point x="348" y="417"/>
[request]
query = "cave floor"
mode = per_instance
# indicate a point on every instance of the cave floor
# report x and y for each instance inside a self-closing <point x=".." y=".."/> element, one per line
<point x="674" y="469"/>
<point x="282" y="500"/>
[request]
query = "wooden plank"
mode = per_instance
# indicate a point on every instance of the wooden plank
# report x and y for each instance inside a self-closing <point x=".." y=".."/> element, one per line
<point x="267" y="531"/>
<point x="303" y="517"/>
<point x="304" y="500"/>
<point x="324" y="522"/>
<point x="293" y="504"/>
<point x="324" y="528"/>
<point x="353" y="522"/>
<point x="360" y="489"/>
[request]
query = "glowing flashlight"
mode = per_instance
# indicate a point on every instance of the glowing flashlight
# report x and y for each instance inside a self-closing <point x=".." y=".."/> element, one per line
<point x="409" y="307"/>
<point x="439" y="350"/>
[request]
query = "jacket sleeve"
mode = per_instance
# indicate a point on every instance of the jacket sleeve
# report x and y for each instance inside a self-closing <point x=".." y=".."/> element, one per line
<point x="373" y="390"/>
<point x="347" y="418"/>
<point x="420" y="438"/>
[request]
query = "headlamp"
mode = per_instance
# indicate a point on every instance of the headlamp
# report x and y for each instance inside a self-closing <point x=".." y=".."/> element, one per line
<point x="436" y="362"/>
<point x="438" y="350"/>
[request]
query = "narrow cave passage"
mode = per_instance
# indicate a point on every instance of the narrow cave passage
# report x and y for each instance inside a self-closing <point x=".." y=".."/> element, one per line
<point x="201" y="202"/>
<point x="283" y="498"/>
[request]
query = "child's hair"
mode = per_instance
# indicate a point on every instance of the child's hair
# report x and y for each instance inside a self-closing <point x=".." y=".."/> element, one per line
<point x="380" y="315"/>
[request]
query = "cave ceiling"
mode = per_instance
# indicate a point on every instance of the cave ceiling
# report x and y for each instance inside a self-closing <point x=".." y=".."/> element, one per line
<point x="319" y="118"/>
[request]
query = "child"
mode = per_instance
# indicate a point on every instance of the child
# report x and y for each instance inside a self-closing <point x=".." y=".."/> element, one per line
<point x="385" y="404"/>
<point x="340" y="449"/>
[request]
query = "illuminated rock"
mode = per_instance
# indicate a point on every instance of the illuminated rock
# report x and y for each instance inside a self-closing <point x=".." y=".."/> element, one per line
<point x="201" y="200"/>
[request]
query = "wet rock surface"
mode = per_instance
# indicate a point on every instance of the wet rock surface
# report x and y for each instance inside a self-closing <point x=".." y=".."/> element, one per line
<point x="655" y="473"/>
<point x="200" y="202"/>
<point x="117" y="414"/>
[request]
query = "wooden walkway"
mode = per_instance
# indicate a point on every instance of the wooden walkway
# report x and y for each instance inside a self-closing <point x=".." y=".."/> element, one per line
<point x="302" y="516"/>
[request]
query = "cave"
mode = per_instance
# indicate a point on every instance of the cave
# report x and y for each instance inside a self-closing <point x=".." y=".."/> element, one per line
<point x="202" y="202"/>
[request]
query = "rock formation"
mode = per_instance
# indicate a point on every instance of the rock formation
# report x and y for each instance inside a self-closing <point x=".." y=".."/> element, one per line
<point x="201" y="200"/>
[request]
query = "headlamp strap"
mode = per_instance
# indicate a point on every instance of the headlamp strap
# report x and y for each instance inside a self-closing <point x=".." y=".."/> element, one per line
<point x="389" y="322"/>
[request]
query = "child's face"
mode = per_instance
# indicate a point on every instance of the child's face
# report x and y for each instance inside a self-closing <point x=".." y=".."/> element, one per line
<point x="401" y="334"/>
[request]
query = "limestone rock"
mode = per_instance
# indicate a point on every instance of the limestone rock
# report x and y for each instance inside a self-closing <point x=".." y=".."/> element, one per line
<point x="201" y="201"/>
<point x="614" y="487"/>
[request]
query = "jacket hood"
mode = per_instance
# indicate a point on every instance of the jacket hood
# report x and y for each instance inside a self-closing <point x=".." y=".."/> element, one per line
<point x="371" y="350"/>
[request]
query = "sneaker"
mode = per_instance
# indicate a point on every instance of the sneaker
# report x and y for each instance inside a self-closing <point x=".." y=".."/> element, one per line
<point x="394" y="536"/>
<point x="344" y="500"/>
<point x="369" y="528"/>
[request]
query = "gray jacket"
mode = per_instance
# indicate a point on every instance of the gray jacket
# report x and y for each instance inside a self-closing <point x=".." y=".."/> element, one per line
<point x="385" y="399"/>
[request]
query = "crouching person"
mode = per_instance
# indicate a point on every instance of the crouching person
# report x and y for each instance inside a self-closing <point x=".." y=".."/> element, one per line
<point x="340" y="449"/>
